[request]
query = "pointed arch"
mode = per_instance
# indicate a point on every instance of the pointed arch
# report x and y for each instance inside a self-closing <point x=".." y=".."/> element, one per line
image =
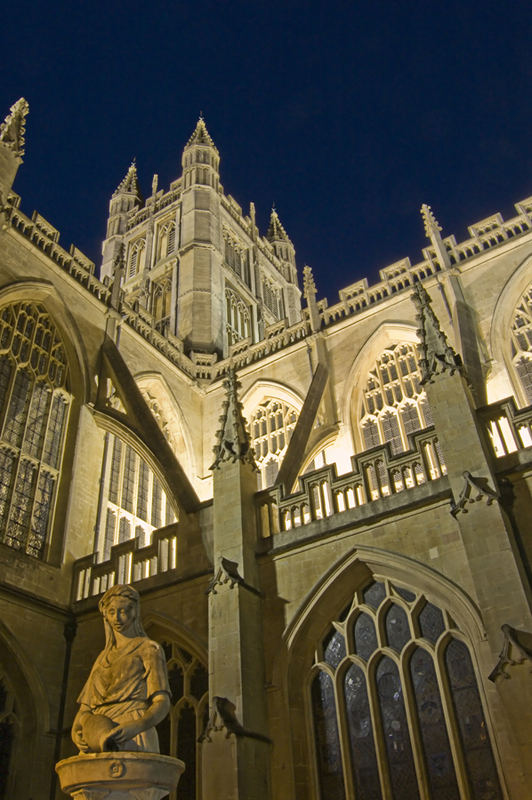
<point x="503" y="379"/>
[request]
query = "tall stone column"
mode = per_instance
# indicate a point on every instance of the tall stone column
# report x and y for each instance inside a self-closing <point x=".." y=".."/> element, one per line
<point x="235" y="747"/>
<point x="491" y="543"/>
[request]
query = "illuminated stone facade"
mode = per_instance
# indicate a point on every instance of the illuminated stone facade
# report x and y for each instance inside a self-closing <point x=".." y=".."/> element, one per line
<point x="331" y="583"/>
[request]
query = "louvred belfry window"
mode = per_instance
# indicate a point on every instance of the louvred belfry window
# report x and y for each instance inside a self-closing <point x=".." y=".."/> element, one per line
<point x="395" y="704"/>
<point x="34" y="408"/>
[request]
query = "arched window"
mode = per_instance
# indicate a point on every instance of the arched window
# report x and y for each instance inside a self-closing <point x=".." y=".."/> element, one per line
<point x="34" y="406"/>
<point x="271" y="427"/>
<point x="394" y="404"/>
<point x="396" y="706"/>
<point x="133" y="502"/>
<point x="521" y="343"/>
<point x="9" y="729"/>
<point x="271" y="297"/>
<point x="238" y="320"/>
<point x="180" y="731"/>
<point x="165" y="240"/>
<point x="136" y="258"/>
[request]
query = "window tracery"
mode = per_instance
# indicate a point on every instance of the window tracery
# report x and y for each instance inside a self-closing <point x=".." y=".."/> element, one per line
<point x="238" y="318"/>
<point x="521" y="343"/>
<point x="394" y="404"/>
<point x="34" y="409"/>
<point x="180" y="731"/>
<point x="134" y="502"/>
<point x="271" y="427"/>
<point x="166" y="239"/>
<point x="272" y="298"/>
<point x="395" y="704"/>
<point x="136" y="260"/>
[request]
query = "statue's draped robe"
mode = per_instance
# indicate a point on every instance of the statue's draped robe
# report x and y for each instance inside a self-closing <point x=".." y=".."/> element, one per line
<point x="122" y="684"/>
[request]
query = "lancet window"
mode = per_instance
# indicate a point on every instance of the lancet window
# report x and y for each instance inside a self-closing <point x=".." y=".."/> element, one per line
<point x="394" y="404"/>
<point x="272" y="299"/>
<point x="161" y="297"/>
<point x="238" y="318"/>
<point x="9" y="728"/>
<point x="133" y="502"/>
<point x="136" y="259"/>
<point x="521" y="343"/>
<point x="271" y="428"/>
<point x="165" y="239"/>
<point x="180" y="731"/>
<point x="395" y="704"/>
<point x="34" y="409"/>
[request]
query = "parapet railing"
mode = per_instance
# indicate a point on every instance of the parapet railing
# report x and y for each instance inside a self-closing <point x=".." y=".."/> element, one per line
<point x="377" y="474"/>
<point x="509" y="429"/>
<point x="128" y="563"/>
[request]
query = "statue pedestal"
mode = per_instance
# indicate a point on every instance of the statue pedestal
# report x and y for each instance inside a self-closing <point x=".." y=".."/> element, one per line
<point x="119" y="776"/>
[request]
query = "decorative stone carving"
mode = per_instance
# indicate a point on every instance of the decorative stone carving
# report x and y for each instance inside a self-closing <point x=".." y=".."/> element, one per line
<point x="437" y="355"/>
<point x="13" y="128"/>
<point x="517" y="648"/>
<point x="474" y="489"/>
<point x="126" y="695"/>
<point x="232" y="438"/>
<point x="228" y="574"/>
<point x="223" y="718"/>
<point x="127" y="692"/>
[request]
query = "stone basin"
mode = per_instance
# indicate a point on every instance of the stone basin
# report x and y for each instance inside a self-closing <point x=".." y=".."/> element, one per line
<point x="119" y="775"/>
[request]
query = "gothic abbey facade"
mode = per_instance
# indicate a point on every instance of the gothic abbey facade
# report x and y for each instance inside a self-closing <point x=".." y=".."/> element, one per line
<point x="325" y="507"/>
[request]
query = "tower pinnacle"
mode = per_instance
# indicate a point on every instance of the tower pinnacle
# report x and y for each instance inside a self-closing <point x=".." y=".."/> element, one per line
<point x="232" y="440"/>
<point x="130" y="182"/>
<point x="437" y="355"/>
<point x="13" y="128"/>
<point x="201" y="135"/>
<point x="276" y="231"/>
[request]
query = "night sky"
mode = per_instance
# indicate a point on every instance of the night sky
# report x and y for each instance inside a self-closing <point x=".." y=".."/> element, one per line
<point x="346" y="115"/>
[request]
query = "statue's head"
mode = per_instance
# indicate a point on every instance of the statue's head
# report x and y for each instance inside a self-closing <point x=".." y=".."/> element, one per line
<point x="120" y="608"/>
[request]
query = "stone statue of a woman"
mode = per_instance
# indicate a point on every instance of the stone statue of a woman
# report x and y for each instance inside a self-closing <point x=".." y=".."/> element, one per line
<point x="127" y="692"/>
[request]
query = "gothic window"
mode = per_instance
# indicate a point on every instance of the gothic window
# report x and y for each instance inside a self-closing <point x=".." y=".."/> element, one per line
<point x="134" y="503"/>
<point x="271" y="298"/>
<point x="165" y="239"/>
<point x="9" y="725"/>
<point x="180" y="731"/>
<point x="271" y="427"/>
<point x="34" y="406"/>
<point x="521" y="343"/>
<point x="235" y="255"/>
<point x="396" y="706"/>
<point x="238" y="319"/>
<point x="136" y="259"/>
<point x="161" y="296"/>
<point x="394" y="404"/>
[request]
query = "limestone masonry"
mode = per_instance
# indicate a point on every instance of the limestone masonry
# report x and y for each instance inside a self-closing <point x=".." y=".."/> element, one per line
<point x="324" y="507"/>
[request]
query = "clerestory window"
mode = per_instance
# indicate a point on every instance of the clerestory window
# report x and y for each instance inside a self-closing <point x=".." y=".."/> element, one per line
<point x="238" y="318"/>
<point x="271" y="427"/>
<point x="521" y="343"/>
<point x="133" y="502"/>
<point x="394" y="404"/>
<point x="395" y="704"/>
<point x="34" y="409"/>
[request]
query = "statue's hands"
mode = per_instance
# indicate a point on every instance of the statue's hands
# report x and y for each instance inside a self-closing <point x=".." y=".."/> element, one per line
<point x="79" y="741"/>
<point x="126" y="730"/>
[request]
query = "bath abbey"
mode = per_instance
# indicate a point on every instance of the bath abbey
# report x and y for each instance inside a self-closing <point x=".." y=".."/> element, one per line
<point x="323" y="503"/>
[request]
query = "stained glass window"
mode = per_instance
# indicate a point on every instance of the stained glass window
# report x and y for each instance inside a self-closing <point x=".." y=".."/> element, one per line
<point x="392" y="671"/>
<point x="136" y="503"/>
<point x="35" y="399"/>
<point x="394" y="403"/>
<point x="521" y="342"/>
<point x="179" y="733"/>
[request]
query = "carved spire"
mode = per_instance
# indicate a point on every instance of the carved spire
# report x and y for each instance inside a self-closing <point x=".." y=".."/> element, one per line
<point x="433" y="232"/>
<point x="309" y="286"/>
<point x="232" y="440"/>
<point x="276" y="232"/>
<point x="201" y="135"/>
<point x="437" y="355"/>
<point x="13" y="128"/>
<point x="309" y="292"/>
<point x="130" y="182"/>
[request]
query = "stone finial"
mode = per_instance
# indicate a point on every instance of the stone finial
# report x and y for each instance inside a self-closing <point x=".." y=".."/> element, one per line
<point x="130" y="182"/>
<point x="154" y="184"/>
<point x="13" y="128"/>
<point x="232" y="440"/>
<point x="201" y="135"/>
<point x="309" y="286"/>
<point x="437" y="355"/>
<point x="276" y="231"/>
<point x="430" y="222"/>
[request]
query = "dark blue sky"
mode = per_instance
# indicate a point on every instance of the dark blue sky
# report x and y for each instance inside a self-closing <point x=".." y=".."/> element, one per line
<point x="347" y="115"/>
